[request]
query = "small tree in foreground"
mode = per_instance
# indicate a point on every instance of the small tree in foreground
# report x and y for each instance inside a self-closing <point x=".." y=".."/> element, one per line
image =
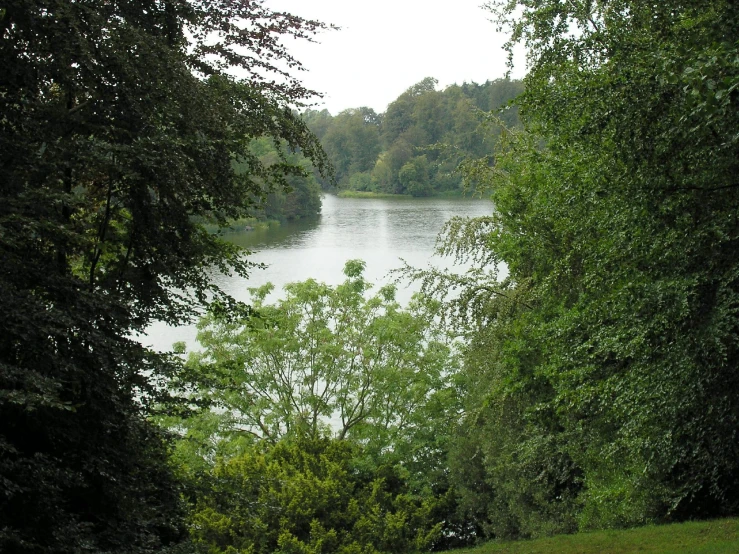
<point x="327" y="360"/>
<point x="309" y="496"/>
<point x="330" y="411"/>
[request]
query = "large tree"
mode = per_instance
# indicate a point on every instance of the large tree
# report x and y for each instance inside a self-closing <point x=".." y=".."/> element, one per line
<point x="120" y="122"/>
<point x="603" y="371"/>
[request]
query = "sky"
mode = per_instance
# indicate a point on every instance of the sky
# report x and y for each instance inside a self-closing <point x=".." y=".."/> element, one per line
<point x="385" y="46"/>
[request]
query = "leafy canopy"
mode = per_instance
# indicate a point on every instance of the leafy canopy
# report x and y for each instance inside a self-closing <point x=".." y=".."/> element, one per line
<point x="121" y="126"/>
<point x="327" y="423"/>
<point x="601" y="371"/>
<point x="328" y="360"/>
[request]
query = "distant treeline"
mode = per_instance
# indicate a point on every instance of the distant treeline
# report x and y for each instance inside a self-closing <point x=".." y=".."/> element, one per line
<point x="416" y="145"/>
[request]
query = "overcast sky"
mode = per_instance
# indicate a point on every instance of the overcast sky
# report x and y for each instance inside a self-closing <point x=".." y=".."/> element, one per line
<point x="385" y="46"/>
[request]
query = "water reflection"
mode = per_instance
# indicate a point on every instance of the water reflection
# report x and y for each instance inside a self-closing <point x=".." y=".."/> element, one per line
<point x="279" y="236"/>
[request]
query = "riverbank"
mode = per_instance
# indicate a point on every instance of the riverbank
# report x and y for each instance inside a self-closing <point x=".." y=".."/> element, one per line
<point x="244" y="224"/>
<point x="697" y="537"/>
<point x="369" y="194"/>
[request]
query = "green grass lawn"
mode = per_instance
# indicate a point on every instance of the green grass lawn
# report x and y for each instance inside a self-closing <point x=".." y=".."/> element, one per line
<point x="704" y="537"/>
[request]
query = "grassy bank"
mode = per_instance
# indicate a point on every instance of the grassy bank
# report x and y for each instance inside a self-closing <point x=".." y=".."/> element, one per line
<point x="368" y="194"/>
<point x="704" y="537"/>
<point x="458" y="194"/>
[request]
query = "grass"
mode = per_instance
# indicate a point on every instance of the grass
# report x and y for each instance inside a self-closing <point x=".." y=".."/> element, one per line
<point x="702" y="537"/>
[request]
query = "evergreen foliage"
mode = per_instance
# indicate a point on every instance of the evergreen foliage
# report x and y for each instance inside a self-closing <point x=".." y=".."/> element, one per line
<point x="309" y="496"/>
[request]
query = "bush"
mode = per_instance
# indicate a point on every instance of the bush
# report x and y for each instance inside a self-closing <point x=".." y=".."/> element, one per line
<point x="308" y="496"/>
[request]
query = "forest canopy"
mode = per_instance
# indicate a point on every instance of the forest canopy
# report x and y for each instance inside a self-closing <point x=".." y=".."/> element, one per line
<point x="416" y="145"/>
<point x="603" y="369"/>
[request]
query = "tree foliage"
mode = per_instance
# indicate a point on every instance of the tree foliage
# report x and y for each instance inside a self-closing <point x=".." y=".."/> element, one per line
<point x="602" y="369"/>
<point x="280" y="380"/>
<point x="120" y="122"/>
<point x="308" y="496"/>
<point x="369" y="150"/>
<point x="330" y="360"/>
<point x="301" y="198"/>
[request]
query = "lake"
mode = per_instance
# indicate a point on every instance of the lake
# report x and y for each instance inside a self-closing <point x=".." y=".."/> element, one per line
<point x="382" y="232"/>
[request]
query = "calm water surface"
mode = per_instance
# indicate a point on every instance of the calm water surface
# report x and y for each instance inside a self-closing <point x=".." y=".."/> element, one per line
<point x="379" y="231"/>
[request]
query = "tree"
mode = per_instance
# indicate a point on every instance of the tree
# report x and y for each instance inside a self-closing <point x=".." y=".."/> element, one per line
<point x="414" y="176"/>
<point x="446" y="126"/>
<point x="613" y="339"/>
<point x="317" y="121"/>
<point x="353" y="142"/>
<point x="120" y="123"/>
<point x="323" y="361"/>
<point x="301" y="198"/>
<point x="327" y="360"/>
<point x="362" y="182"/>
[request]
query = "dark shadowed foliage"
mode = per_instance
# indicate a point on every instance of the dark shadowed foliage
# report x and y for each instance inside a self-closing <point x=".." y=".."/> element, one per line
<point x="119" y="124"/>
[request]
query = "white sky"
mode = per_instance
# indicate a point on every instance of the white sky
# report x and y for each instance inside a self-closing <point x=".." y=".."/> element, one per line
<point x="385" y="46"/>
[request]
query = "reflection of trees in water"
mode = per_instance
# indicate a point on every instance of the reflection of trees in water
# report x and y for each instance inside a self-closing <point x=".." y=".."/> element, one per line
<point x="284" y="234"/>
